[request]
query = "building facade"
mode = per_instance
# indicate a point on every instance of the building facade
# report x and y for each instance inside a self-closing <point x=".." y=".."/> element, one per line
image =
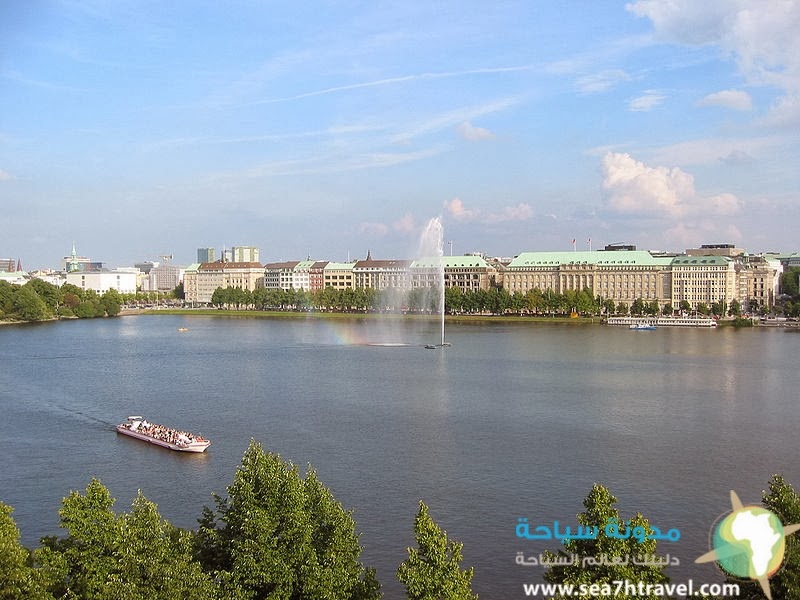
<point x="201" y="280"/>
<point x="121" y="280"/>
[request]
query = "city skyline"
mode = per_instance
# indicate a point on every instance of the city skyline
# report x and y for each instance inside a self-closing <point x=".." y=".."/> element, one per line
<point x="141" y="129"/>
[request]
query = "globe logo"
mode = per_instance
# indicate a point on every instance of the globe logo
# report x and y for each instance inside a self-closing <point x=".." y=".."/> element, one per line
<point x="749" y="543"/>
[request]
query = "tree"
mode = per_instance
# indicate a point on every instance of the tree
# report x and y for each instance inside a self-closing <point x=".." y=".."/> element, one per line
<point x="111" y="302"/>
<point x="29" y="306"/>
<point x="735" y="308"/>
<point x="18" y="581"/>
<point x="137" y="556"/>
<point x="81" y="564"/>
<point x="155" y="559"/>
<point x="600" y="513"/>
<point x="432" y="571"/>
<point x="284" y="537"/>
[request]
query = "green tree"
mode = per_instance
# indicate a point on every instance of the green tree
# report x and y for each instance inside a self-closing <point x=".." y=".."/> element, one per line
<point x="111" y="302"/>
<point x="154" y="560"/>
<point x="667" y="310"/>
<point x="137" y="556"/>
<point x="284" y="537"/>
<point x="600" y="512"/>
<point x="18" y="580"/>
<point x="81" y="564"/>
<point x="29" y="306"/>
<point x="432" y="571"/>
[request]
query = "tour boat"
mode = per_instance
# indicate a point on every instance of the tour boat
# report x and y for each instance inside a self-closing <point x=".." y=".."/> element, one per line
<point x="182" y="441"/>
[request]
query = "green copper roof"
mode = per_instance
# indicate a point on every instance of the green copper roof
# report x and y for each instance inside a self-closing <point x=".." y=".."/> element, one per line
<point x="589" y="257"/>
<point x="701" y="261"/>
<point x="335" y="266"/>
<point x="450" y="262"/>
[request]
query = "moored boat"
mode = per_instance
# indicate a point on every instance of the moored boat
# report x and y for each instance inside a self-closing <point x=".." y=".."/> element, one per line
<point x="160" y="435"/>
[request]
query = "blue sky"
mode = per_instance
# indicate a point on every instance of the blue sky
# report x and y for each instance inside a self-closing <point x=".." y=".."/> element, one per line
<point x="326" y="129"/>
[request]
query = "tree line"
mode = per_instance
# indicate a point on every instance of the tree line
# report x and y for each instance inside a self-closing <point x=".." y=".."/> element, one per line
<point x="279" y="534"/>
<point x="38" y="300"/>
<point x="495" y="301"/>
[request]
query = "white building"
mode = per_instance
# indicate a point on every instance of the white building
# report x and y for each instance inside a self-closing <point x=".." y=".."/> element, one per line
<point x="122" y="280"/>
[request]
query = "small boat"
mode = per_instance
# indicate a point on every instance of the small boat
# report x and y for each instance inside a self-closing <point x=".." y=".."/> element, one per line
<point x="642" y="327"/>
<point x="430" y="346"/>
<point x="182" y="329"/>
<point x="166" y="437"/>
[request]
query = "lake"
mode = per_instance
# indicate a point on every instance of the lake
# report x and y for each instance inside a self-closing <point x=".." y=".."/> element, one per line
<point x="513" y="420"/>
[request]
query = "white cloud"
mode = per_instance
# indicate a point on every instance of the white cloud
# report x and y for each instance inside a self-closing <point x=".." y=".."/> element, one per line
<point x="470" y="132"/>
<point x="635" y="188"/>
<point x="785" y="112"/>
<point x="405" y="224"/>
<point x="602" y="81"/>
<point x="760" y="36"/>
<point x="648" y="101"/>
<point x="456" y="209"/>
<point x="5" y="176"/>
<point x="733" y="99"/>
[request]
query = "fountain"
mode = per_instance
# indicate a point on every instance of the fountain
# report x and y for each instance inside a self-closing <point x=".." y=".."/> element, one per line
<point x="431" y="245"/>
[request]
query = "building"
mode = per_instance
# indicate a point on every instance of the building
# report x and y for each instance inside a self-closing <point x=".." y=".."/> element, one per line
<point x="242" y="254"/>
<point x="381" y="274"/>
<point x="122" y="280"/>
<point x="163" y="278"/>
<point x="74" y="263"/>
<point x="469" y="272"/>
<point x="201" y="280"/>
<point x="279" y="275"/>
<point x="619" y="275"/>
<point x="338" y="276"/>
<point x="703" y="279"/>
<point x="206" y="255"/>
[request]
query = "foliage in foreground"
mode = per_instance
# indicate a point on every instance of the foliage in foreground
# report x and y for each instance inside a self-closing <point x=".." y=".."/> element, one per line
<point x="599" y="511"/>
<point x="278" y="535"/>
<point x="38" y="300"/>
<point x="433" y="570"/>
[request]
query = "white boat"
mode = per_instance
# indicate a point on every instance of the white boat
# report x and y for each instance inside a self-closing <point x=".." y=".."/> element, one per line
<point x="642" y="327"/>
<point x="663" y="321"/>
<point x="152" y="433"/>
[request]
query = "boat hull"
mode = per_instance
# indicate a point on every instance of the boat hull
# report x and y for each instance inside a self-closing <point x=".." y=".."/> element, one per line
<point x="195" y="446"/>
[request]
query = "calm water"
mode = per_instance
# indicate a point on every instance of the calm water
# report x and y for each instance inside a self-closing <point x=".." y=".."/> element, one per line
<point x="513" y="420"/>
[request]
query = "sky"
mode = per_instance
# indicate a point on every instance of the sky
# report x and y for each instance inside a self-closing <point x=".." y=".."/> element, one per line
<point x="327" y="129"/>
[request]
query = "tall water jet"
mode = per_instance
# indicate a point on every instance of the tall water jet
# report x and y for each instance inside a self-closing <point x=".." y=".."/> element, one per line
<point x="431" y="246"/>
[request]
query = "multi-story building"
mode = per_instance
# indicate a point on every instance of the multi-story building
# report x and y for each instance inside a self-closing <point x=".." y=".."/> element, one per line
<point x="316" y="275"/>
<point x="469" y="272"/>
<point x="703" y="279"/>
<point x="201" y="280"/>
<point x="244" y="254"/>
<point x="338" y="276"/>
<point x="381" y="274"/>
<point x="121" y="280"/>
<point x="620" y="275"/>
<point x="163" y="278"/>
<point x="206" y="255"/>
<point x="279" y="275"/>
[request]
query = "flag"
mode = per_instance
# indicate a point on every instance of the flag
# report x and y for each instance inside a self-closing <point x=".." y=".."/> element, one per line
<point x="573" y="240"/>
